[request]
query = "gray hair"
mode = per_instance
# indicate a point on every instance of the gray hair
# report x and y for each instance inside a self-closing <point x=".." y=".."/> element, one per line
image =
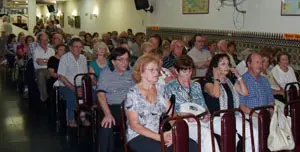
<point x="100" y="45"/>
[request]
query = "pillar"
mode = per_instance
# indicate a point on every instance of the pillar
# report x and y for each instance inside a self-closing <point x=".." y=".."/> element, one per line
<point x="31" y="15"/>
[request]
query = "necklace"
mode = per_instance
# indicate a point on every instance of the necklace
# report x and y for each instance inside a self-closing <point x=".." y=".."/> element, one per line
<point x="189" y="98"/>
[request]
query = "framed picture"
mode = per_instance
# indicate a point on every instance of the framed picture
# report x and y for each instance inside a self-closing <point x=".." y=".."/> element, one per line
<point x="70" y="21"/>
<point x="195" y="6"/>
<point x="77" y="21"/>
<point x="290" y="7"/>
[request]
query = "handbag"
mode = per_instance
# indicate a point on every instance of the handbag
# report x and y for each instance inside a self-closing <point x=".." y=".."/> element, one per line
<point x="167" y="126"/>
<point x="280" y="137"/>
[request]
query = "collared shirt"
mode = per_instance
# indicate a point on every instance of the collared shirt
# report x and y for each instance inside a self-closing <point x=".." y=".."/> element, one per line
<point x="70" y="67"/>
<point x="114" y="85"/>
<point x="169" y="61"/>
<point x="260" y="92"/>
<point x="282" y="77"/>
<point x="182" y="94"/>
<point x="40" y="53"/>
<point x="136" y="50"/>
<point x="197" y="56"/>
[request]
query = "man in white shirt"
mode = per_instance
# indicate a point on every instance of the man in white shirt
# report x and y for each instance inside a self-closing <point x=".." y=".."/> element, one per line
<point x="40" y="60"/>
<point x="200" y="56"/>
<point x="222" y="47"/>
<point x="71" y="64"/>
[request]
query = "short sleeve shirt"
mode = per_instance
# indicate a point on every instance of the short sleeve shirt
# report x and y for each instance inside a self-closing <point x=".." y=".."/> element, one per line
<point x="197" y="56"/>
<point x="70" y="67"/>
<point x="260" y="92"/>
<point x="182" y="94"/>
<point x="282" y="77"/>
<point x="42" y="54"/>
<point x="148" y="113"/>
<point x="96" y="68"/>
<point x="114" y="85"/>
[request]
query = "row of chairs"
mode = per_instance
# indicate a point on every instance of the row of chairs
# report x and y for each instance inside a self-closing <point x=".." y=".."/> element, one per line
<point x="180" y="128"/>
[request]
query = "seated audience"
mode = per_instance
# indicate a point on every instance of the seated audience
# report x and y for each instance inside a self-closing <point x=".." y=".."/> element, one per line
<point x="166" y="48"/>
<point x="200" y="56"/>
<point x="41" y="55"/>
<point x="212" y="47"/>
<point x="145" y="103"/>
<point x="232" y="51"/>
<point x="223" y="48"/>
<point x="156" y="42"/>
<point x="71" y="64"/>
<point x="56" y="39"/>
<point x="114" y="39"/>
<point x="259" y="88"/>
<point x="147" y="47"/>
<point x="222" y="93"/>
<point x="136" y="46"/>
<point x="52" y="65"/>
<point x="242" y="66"/>
<point x="277" y="91"/>
<point x="101" y="53"/>
<point x="283" y="72"/>
<point x="188" y="91"/>
<point x="176" y="51"/>
<point x="112" y="87"/>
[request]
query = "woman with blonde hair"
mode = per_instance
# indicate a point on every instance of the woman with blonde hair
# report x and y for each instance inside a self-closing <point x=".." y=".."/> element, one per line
<point x="147" y="47"/>
<point x="145" y="103"/>
<point x="100" y="54"/>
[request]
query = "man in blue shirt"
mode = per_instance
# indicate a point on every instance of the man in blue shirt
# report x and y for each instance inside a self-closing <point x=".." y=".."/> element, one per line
<point x="259" y="88"/>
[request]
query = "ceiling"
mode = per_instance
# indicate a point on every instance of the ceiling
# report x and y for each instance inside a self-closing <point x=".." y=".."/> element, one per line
<point x="24" y="3"/>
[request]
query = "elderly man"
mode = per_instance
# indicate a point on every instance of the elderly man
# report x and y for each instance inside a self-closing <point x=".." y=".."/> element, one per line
<point x="136" y="46"/>
<point x="222" y="47"/>
<point x="176" y="51"/>
<point x="112" y="88"/>
<point x="56" y="39"/>
<point x="200" y="56"/>
<point x="259" y="88"/>
<point x="71" y="64"/>
<point x="40" y="60"/>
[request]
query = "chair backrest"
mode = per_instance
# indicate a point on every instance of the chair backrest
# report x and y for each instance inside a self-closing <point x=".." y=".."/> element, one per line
<point x="123" y="129"/>
<point x="264" y="119"/>
<point x="86" y="84"/>
<point x="292" y="109"/>
<point x="291" y="91"/>
<point x="180" y="134"/>
<point x="228" y="129"/>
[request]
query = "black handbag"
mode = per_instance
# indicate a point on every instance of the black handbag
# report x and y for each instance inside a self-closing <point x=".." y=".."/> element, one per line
<point x="167" y="126"/>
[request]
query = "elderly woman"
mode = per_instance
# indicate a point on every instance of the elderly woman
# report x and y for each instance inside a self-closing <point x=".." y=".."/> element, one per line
<point x="277" y="91"/>
<point x="100" y="52"/>
<point x="222" y="93"/>
<point x="283" y="72"/>
<point x="145" y="103"/>
<point x="188" y="91"/>
<point x="147" y="47"/>
<point x="166" y="47"/>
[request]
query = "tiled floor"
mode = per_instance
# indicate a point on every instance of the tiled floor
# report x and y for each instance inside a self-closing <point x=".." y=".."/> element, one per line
<point x="25" y="128"/>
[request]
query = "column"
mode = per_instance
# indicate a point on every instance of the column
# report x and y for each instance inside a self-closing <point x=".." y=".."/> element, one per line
<point x="31" y="15"/>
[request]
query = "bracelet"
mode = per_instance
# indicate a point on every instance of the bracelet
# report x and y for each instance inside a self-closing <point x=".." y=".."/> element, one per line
<point x="240" y="78"/>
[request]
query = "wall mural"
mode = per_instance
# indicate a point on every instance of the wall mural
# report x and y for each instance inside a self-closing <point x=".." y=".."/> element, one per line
<point x="195" y="6"/>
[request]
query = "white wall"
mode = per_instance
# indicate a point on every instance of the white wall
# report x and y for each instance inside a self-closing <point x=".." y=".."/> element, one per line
<point x="262" y="15"/>
<point x="113" y="15"/>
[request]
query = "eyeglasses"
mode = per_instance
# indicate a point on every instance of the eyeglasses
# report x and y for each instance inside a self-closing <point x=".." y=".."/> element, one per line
<point x="153" y="70"/>
<point x="123" y="60"/>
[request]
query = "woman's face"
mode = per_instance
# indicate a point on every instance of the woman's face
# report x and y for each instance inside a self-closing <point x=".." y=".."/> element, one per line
<point x="150" y="73"/>
<point x="101" y="52"/>
<point x="265" y="62"/>
<point x="61" y="51"/>
<point x="223" y="65"/>
<point x="284" y="61"/>
<point x="231" y="49"/>
<point x="147" y="49"/>
<point x="22" y="39"/>
<point x="185" y="74"/>
<point x="30" y="40"/>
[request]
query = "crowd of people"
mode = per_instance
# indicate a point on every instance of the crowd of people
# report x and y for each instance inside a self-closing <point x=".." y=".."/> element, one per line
<point x="145" y="74"/>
